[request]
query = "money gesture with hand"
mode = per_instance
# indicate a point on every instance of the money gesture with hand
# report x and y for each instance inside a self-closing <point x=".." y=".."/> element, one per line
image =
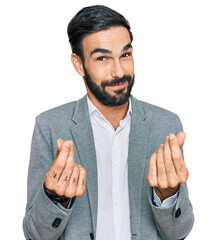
<point x="65" y="177"/>
<point x="167" y="168"/>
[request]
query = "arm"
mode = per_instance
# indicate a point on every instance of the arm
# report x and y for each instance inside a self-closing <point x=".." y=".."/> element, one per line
<point x="176" y="221"/>
<point x="168" y="174"/>
<point x="43" y="218"/>
<point x="165" y="203"/>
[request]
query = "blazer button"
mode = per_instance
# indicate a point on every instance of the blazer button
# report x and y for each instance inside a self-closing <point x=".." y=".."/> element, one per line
<point x="91" y="236"/>
<point x="178" y="213"/>
<point x="56" y="222"/>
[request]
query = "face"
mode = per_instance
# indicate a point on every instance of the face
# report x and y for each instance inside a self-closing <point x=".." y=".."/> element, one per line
<point x="109" y="66"/>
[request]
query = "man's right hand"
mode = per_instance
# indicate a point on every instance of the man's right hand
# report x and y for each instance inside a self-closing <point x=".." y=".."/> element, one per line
<point x="65" y="177"/>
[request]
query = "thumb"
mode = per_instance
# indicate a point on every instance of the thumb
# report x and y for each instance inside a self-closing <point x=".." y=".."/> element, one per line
<point x="60" y="142"/>
<point x="181" y="138"/>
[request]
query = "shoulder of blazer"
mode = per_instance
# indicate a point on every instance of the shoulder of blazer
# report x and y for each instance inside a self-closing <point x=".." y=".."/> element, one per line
<point x="60" y="114"/>
<point x="152" y="111"/>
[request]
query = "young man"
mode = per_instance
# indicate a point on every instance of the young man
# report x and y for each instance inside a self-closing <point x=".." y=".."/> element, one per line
<point x="119" y="172"/>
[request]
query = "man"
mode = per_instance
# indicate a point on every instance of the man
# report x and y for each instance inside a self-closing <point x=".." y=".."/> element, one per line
<point x="107" y="166"/>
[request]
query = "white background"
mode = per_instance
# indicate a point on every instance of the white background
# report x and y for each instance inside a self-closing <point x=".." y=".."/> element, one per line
<point x="175" y="51"/>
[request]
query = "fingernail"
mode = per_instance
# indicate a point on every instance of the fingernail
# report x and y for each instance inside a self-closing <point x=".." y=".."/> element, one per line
<point x="171" y="136"/>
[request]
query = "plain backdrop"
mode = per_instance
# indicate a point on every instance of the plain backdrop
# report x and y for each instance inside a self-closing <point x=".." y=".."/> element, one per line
<point x="175" y="52"/>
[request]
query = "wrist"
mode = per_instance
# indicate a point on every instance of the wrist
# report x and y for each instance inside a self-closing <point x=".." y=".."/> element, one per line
<point x="55" y="198"/>
<point x="165" y="193"/>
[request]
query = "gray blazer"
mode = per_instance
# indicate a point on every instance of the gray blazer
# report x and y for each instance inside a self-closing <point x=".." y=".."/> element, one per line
<point x="149" y="127"/>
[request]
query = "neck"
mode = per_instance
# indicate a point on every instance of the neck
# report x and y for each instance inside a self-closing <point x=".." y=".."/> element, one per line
<point x="114" y="114"/>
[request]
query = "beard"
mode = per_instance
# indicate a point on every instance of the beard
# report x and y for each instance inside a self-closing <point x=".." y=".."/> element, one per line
<point x="119" y="98"/>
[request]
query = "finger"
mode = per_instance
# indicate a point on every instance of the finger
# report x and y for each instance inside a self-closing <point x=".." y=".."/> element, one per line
<point x="73" y="183"/>
<point x="65" y="177"/>
<point x="59" y="163"/>
<point x="64" y="150"/>
<point x="178" y="161"/>
<point x="54" y="173"/>
<point x="170" y="169"/>
<point x="72" y="152"/>
<point x="152" y="171"/>
<point x="81" y="187"/>
<point x="60" y="141"/>
<point x="63" y="181"/>
<point x="70" y="164"/>
<point x="181" y="138"/>
<point x="161" y="171"/>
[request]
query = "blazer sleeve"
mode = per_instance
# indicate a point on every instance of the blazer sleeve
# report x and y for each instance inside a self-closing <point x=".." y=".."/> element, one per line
<point x="43" y="219"/>
<point x="176" y="221"/>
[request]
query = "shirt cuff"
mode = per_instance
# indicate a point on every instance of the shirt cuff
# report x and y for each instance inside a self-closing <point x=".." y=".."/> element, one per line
<point x="168" y="202"/>
<point x="70" y="204"/>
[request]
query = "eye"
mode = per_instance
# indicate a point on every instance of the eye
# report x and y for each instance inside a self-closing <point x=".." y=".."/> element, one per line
<point x="126" y="55"/>
<point x="102" y="58"/>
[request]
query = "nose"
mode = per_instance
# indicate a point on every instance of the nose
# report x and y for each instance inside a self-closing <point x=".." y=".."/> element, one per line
<point x="117" y="70"/>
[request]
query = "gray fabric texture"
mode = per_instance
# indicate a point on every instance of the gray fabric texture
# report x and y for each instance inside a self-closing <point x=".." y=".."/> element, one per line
<point x="149" y="127"/>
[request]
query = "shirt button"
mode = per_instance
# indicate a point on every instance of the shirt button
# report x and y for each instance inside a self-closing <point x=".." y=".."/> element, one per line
<point x="178" y="213"/>
<point x="56" y="222"/>
<point x="91" y="236"/>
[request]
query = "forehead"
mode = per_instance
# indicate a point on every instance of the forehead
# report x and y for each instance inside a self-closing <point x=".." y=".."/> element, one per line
<point x="113" y="39"/>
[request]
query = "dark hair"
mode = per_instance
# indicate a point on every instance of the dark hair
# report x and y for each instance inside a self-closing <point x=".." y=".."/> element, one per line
<point x="92" y="19"/>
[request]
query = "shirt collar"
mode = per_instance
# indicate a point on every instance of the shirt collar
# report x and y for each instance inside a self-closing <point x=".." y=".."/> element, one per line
<point x="93" y="110"/>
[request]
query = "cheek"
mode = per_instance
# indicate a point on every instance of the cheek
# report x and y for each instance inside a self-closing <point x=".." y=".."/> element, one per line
<point x="99" y="73"/>
<point x="103" y="71"/>
<point x="129" y="66"/>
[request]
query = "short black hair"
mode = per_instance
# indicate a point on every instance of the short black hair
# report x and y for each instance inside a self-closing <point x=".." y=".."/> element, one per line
<point x="92" y="19"/>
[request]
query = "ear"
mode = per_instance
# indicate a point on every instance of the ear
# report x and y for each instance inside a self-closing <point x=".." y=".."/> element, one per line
<point x="77" y="63"/>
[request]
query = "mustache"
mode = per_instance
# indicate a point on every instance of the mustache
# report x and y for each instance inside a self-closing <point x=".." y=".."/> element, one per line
<point x="116" y="81"/>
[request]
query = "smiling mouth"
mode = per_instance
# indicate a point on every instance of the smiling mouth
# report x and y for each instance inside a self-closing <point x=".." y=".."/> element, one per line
<point x="119" y="82"/>
<point x="119" y="85"/>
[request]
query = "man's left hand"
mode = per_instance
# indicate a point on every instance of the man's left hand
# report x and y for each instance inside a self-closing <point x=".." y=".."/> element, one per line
<point x="167" y="168"/>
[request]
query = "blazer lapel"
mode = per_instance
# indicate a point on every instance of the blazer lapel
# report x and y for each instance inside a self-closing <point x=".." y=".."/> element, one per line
<point x="138" y="140"/>
<point x="84" y="142"/>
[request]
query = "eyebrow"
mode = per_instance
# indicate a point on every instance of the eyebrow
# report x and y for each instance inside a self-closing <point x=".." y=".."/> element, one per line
<point x="125" y="48"/>
<point x="100" y="50"/>
<point x="106" y="51"/>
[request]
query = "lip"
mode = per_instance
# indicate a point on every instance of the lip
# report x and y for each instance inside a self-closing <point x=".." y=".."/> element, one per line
<point x="119" y="86"/>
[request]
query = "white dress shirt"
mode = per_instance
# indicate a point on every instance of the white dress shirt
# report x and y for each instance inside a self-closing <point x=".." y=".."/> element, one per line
<point x="113" y="217"/>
